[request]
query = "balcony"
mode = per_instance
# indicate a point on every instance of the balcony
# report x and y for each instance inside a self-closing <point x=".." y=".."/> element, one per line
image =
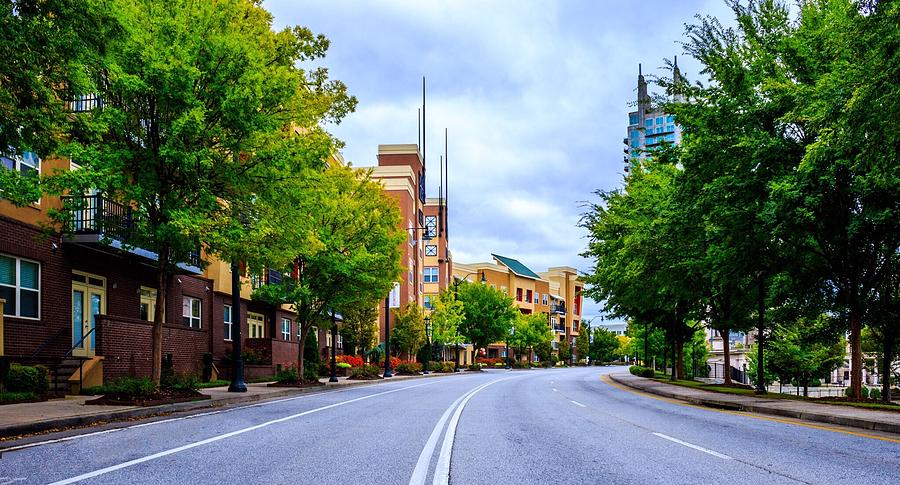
<point x="84" y="103"/>
<point x="558" y="308"/>
<point x="559" y="328"/>
<point x="99" y="221"/>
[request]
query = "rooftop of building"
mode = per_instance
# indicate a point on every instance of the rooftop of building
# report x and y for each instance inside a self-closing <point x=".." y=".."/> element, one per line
<point x="516" y="267"/>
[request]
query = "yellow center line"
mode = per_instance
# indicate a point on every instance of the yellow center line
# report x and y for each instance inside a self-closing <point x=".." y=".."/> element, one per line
<point x="610" y="382"/>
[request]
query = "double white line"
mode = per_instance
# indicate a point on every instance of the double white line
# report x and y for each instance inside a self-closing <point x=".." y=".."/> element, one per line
<point x="442" y="469"/>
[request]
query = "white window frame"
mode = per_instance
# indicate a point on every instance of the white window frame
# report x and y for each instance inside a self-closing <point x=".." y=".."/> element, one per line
<point x="340" y="341"/>
<point x="228" y="323"/>
<point x="431" y="274"/>
<point x="431" y="250"/>
<point x="259" y="322"/>
<point x="286" y="334"/>
<point x="149" y="295"/>
<point x="17" y="288"/>
<point x="191" y="319"/>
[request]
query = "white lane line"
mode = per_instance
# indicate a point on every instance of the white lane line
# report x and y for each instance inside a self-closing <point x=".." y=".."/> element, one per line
<point x="577" y="403"/>
<point x="442" y="469"/>
<point x="689" y="445"/>
<point x="420" y="473"/>
<point x="554" y="390"/>
<point x="220" y="437"/>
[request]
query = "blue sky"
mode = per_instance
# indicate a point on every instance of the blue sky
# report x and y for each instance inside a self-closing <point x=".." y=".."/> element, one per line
<point x="535" y="95"/>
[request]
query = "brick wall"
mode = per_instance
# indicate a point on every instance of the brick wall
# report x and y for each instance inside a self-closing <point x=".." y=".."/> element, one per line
<point x="126" y="344"/>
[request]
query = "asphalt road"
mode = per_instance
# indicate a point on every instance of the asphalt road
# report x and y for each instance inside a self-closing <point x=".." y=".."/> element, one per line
<point x="539" y="426"/>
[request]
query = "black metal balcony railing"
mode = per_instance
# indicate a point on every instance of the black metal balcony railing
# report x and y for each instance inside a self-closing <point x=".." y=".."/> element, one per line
<point x="84" y="103"/>
<point x="558" y="307"/>
<point x="108" y="220"/>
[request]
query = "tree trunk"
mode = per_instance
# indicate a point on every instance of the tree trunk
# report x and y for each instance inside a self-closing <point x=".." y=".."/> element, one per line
<point x="680" y="352"/>
<point x="304" y="332"/>
<point x="760" y="337"/>
<point x="855" y="352"/>
<point x="159" y="315"/>
<point x="886" y="359"/>
<point x="726" y="348"/>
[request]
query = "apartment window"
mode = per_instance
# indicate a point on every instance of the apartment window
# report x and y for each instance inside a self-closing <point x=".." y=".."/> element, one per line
<point x="27" y="163"/>
<point x="256" y="280"/>
<point x="528" y="295"/>
<point x="670" y="137"/>
<point x="148" y="304"/>
<point x="410" y="277"/>
<point x="429" y="302"/>
<point x="430" y="226"/>
<point x="256" y="324"/>
<point x="648" y="122"/>
<point x="286" y="329"/>
<point x="431" y="250"/>
<point x="518" y="294"/>
<point x="20" y="287"/>
<point x="431" y="274"/>
<point x="633" y="119"/>
<point x="659" y="120"/>
<point x="340" y="341"/>
<point x="546" y="300"/>
<point x="670" y="127"/>
<point x="670" y="119"/>
<point x="190" y="312"/>
<point x="650" y="140"/>
<point x="226" y="319"/>
<point x="659" y="129"/>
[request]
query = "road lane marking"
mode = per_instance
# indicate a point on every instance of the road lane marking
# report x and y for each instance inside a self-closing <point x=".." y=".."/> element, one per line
<point x="689" y="445"/>
<point x="420" y="473"/>
<point x="554" y="390"/>
<point x="605" y="378"/>
<point x="577" y="403"/>
<point x="442" y="469"/>
<point x="220" y="437"/>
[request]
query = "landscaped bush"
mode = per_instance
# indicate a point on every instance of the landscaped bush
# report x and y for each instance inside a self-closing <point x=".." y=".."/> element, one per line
<point x="365" y="372"/>
<point x="546" y="364"/>
<point x="635" y="369"/>
<point x="180" y="382"/>
<point x="310" y="371"/>
<point x="288" y="375"/>
<point x="475" y="367"/>
<point x="490" y="361"/>
<point x="27" y="378"/>
<point x="875" y="393"/>
<point x="129" y="386"/>
<point x="863" y="394"/>
<point x="446" y="366"/>
<point x="641" y="371"/>
<point x="648" y="373"/>
<point x="498" y="364"/>
<point x="352" y="360"/>
<point x="16" y="396"/>
<point x="409" y="368"/>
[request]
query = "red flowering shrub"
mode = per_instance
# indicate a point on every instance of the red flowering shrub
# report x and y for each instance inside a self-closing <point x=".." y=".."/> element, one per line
<point x="490" y="362"/>
<point x="353" y="360"/>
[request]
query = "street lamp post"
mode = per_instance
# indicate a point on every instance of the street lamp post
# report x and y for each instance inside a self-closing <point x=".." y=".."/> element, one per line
<point x="333" y="348"/>
<point x="428" y="342"/>
<point x="237" y="361"/>
<point x="387" y="337"/>
<point x="512" y="331"/>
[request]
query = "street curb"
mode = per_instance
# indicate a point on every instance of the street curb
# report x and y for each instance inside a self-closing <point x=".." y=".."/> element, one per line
<point x="763" y="409"/>
<point x="150" y="411"/>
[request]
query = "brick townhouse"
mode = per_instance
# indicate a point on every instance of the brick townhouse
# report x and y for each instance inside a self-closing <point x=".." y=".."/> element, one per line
<point x="81" y="302"/>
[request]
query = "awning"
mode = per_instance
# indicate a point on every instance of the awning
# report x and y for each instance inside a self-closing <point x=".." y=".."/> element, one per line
<point x="557" y="297"/>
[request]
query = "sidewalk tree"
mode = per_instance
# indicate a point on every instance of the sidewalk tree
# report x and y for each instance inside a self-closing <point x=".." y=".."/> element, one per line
<point x="197" y="99"/>
<point x="530" y="330"/>
<point x="347" y="238"/>
<point x="565" y="351"/>
<point x="583" y="343"/>
<point x="604" y="346"/>
<point x="804" y="351"/>
<point x="488" y="314"/>
<point x="408" y="330"/>
<point x="359" y="329"/>
<point x="446" y="317"/>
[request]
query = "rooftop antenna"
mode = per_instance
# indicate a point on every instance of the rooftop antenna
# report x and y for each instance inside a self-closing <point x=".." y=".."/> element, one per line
<point x="445" y="184"/>
<point x="419" y="126"/>
<point x="423" y="124"/>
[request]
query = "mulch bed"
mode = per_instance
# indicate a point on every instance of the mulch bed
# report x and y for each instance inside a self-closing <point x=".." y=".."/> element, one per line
<point x="364" y="378"/>
<point x="850" y="399"/>
<point x="162" y="396"/>
<point x="302" y="383"/>
<point x="20" y="401"/>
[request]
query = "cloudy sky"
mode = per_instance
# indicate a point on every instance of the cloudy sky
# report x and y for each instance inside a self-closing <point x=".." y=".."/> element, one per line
<point x="535" y="95"/>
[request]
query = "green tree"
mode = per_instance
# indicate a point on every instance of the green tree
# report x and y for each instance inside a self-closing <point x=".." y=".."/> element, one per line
<point x="359" y="330"/>
<point x="624" y="347"/>
<point x="446" y="317"/>
<point x="583" y="343"/>
<point x="604" y="346"/>
<point x="530" y="331"/>
<point x="197" y="100"/>
<point x="544" y="351"/>
<point x="565" y="351"/>
<point x="408" y="330"/>
<point x="805" y="351"/>
<point x="346" y="235"/>
<point x="489" y="314"/>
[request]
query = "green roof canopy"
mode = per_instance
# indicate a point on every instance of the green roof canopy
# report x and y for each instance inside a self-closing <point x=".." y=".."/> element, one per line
<point x="516" y="267"/>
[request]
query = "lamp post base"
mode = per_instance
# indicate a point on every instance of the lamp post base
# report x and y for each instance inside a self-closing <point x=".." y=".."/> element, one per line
<point x="237" y="380"/>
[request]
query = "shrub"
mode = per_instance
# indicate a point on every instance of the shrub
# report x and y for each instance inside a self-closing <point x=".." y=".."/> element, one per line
<point x="490" y="361"/>
<point x="129" y="386"/>
<point x="310" y="372"/>
<point x="864" y="394"/>
<point x="365" y="372"/>
<point x="875" y="393"/>
<point x="181" y="382"/>
<point x="546" y="364"/>
<point x="27" y="378"/>
<point x="648" y="373"/>
<point x="446" y="366"/>
<point x="475" y="367"/>
<point x="352" y="360"/>
<point x="408" y="368"/>
<point x="635" y="369"/>
<point x="15" y="396"/>
<point x="288" y="375"/>
<point x="498" y="364"/>
<point x="343" y="365"/>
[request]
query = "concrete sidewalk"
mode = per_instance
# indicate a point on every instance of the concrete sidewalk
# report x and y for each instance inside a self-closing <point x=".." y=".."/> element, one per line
<point x="809" y="411"/>
<point x="58" y="414"/>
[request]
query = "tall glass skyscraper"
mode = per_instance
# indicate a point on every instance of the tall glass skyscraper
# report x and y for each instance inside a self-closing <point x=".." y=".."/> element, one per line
<point x="649" y="127"/>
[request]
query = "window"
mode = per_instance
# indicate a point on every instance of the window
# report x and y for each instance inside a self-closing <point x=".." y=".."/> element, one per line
<point x="340" y="341"/>
<point x="670" y="119"/>
<point x="632" y="119"/>
<point x="528" y="295"/>
<point x="648" y="122"/>
<point x="431" y="274"/>
<point x="518" y="294"/>
<point x="429" y="302"/>
<point x="670" y="127"/>
<point x="659" y="129"/>
<point x="659" y="120"/>
<point x="430" y="226"/>
<point x="256" y="280"/>
<point x="546" y="301"/>
<point x="651" y="140"/>
<point x="148" y="304"/>
<point x="226" y="319"/>
<point x="20" y="287"/>
<point x="670" y="137"/>
<point x="431" y="250"/>
<point x="256" y="324"/>
<point x="27" y="163"/>
<point x="190" y="312"/>
<point x="286" y="329"/>
<point x="410" y="277"/>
